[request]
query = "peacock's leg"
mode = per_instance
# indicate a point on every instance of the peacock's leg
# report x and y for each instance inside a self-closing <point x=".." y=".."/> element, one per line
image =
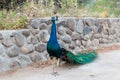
<point x="58" y="62"/>
<point x="55" y="73"/>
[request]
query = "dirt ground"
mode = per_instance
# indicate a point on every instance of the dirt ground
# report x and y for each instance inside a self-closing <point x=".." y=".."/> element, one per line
<point x="105" y="67"/>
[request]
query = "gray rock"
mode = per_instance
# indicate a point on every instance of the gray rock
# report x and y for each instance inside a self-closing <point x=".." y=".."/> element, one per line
<point x="88" y="45"/>
<point x="40" y="47"/>
<point x="43" y="26"/>
<point x="78" y="43"/>
<point x="105" y="31"/>
<point x="13" y="51"/>
<point x="105" y="36"/>
<point x="118" y="39"/>
<point x="117" y="32"/>
<point x="42" y="21"/>
<point x="62" y="44"/>
<point x="1" y="37"/>
<point x="110" y="41"/>
<point x="34" y="31"/>
<point x="111" y="37"/>
<point x="68" y="31"/>
<point x="13" y="34"/>
<point x="61" y="23"/>
<point x="14" y="64"/>
<point x="43" y="36"/>
<point x="88" y="22"/>
<point x="48" y="22"/>
<point x="2" y="49"/>
<point x="86" y="37"/>
<point x="24" y="60"/>
<point x="26" y="49"/>
<point x="75" y="36"/>
<point x="82" y="47"/>
<point x="26" y="33"/>
<point x="95" y="42"/>
<point x="79" y="27"/>
<point x="114" y="41"/>
<point x="115" y="36"/>
<point x="58" y="36"/>
<point x="32" y="40"/>
<point x="91" y="35"/>
<point x="71" y="24"/>
<point x="84" y="43"/>
<point x="97" y="36"/>
<point x="20" y="40"/>
<point x="45" y="56"/>
<point x="4" y="63"/>
<point x="49" y="29"/>
<point x="76" y="50"/>
<point x="103" y="40"/>
<point x="67" y="39"/>
<point x="35" y="23"/>
<point x="7" y="42"/>
<point x="100" y="28"/>
<point x="87" y="30"/>
<point x="38" y="37"/>
<point x="95" y="29"/>
<point x="35" y="56"/>
<point x="61" y="30"/>
<point x="81" y="36"/>
<point x="111" y="31"/>
<point x="72" y="45"/>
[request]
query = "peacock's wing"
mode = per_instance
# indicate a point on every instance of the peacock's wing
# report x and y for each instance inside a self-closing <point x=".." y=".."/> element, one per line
<point x="82" y="58"/>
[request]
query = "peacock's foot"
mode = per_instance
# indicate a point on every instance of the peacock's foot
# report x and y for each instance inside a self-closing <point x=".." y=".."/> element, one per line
<point x="55" y="73"/>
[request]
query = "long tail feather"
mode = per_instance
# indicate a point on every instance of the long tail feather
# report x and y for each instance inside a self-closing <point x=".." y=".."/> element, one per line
<point x="80" y="58"/>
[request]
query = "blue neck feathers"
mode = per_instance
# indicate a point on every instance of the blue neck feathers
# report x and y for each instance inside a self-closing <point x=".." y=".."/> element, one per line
<point x="53" y="36"/>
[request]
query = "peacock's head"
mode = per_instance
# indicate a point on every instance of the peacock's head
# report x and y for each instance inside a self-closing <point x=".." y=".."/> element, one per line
<point x="54" y="18"/>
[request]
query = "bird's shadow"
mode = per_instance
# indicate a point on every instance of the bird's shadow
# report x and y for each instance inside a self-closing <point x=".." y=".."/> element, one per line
<point x="69" y="66"/>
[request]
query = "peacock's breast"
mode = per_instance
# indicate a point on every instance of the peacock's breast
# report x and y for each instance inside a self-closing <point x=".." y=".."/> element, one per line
<point x="53" y="46"/>
<point x="54" y="49"/>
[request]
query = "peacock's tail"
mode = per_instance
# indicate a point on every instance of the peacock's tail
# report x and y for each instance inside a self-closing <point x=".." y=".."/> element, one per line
<point x="81" y="58"/>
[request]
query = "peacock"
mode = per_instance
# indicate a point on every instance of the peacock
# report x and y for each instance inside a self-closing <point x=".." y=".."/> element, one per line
<point x="57" y="53"/>
<point x="53" y="47"/>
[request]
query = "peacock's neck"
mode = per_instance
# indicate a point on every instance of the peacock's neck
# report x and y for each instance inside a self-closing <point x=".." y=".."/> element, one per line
<point x="53" y="35"/>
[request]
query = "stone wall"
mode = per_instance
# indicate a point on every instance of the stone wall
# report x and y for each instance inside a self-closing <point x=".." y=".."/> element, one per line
<point x="19" y="48"/>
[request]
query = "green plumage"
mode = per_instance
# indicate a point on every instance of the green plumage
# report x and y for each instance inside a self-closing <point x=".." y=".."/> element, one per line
<point x="81" y="58"/>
